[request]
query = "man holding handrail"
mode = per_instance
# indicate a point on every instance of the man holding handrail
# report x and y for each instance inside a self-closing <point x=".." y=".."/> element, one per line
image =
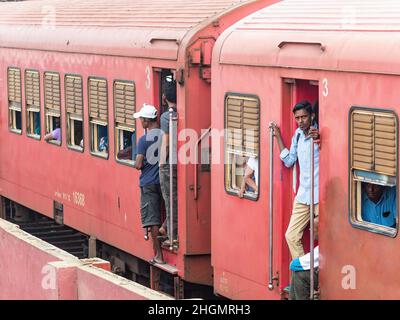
<point x="168" y="181"/>
<point x="299" y="151"/>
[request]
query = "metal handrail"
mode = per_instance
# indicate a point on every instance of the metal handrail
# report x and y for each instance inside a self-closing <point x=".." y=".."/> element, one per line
<point x="271" y="207"/>
<point x="312" y="220"/>
<point x="171" y="184"/>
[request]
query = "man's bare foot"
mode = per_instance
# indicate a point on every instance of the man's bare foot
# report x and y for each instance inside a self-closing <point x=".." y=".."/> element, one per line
<point x="162" y="230"/>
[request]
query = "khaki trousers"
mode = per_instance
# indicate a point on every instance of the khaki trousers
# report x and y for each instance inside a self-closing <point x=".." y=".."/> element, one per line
<point x="298" y="222"/>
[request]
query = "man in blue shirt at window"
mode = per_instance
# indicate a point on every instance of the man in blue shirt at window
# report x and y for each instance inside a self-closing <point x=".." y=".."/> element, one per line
<point x="300" y="151"/>
<point x="379" y="205"/>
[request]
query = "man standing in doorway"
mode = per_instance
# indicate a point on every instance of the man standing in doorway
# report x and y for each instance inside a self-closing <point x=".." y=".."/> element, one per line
<point x="147" y="161"/>
<point x="300" y="150"/>
<point x="170" y="98"/>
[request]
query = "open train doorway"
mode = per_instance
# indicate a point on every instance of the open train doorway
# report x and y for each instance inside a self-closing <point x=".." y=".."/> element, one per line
<point x="165" y="92"/>
<point x="296" y="182"/>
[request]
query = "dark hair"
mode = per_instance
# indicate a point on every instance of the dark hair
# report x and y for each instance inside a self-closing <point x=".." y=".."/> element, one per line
<point x="170" y="91"/>
<point x="304" y="104"/>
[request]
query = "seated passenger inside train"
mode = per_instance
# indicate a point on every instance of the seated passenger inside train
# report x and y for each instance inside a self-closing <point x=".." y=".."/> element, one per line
<point x="379" y="204"/>
<point x="129" y="150"/>
<point x="56" y="133"/>
<point x="103" y="139"/>
<point x="250" y="179"/>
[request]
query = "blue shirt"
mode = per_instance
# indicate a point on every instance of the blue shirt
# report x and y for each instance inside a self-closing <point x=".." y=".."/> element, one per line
<point x="384" y="212"/>
<point x="148" y="146"/>
<point x="300" y="150"/>
<point x="164" y="126"/>
<point x="164" y="121"/>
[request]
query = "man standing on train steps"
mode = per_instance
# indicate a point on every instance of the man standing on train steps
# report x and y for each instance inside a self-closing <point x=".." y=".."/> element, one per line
<point x="300" y="150"/>
<point x="165" y="162"/>
<point x="147" y="158"/>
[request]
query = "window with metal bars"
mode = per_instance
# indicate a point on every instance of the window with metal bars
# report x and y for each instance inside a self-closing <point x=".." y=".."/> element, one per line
<point x="52" y="107"/>
<point x="32" y="102"/>
<point x="74" y="111"/>
<point x="125" y="133"/>
<point x="14" y="100"/>
<point x="98" y="117"/>
<point x="242" y="132"/>
<point x="373" y="170"/>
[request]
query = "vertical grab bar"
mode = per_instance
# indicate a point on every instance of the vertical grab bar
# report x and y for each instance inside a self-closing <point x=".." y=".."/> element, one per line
<point x="171" y="184"/>
<point x="312" y="220"/>
<point x="271" y="197"/>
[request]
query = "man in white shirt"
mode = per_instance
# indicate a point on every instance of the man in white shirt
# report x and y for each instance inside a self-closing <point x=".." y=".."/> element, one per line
<point x="251" y="170"/>
<point x="300" y="151"/>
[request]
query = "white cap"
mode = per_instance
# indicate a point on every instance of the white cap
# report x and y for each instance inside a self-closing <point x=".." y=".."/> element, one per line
<point x="147" y="111"/>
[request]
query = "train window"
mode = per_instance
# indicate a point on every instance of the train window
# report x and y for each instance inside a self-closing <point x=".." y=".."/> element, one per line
<point x="98" y="117"/>
<point x="32" y="99"/>
<point x="373" y="170"/>
<point x="52" y="107"/>
<point x="74" y="108"/>
<point x="14" y="100"/>
<point x="242" y="124"/>
<point x="125" y="134"/>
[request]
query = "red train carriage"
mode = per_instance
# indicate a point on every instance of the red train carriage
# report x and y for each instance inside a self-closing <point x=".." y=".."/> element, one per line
<point x="343" y="54"/>
<point x="90" y="65"/>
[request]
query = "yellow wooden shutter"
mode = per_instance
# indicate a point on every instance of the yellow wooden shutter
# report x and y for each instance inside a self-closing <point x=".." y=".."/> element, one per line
<point x="385" y="144"/>
<point x="251" y="125"/>
<point x="32" y="90"/>
<point x="124" y="103"/>
<point x="98" y="104"/>
<point x="74" y="96"/>
<point x="243" y="125"/>
<point x="374" y="142"/>
<point x="14" y="88"/>
<point x="52" y="96"/>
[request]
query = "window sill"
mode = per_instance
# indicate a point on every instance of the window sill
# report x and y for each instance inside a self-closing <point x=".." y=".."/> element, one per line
<point x="102" y="155"/>
<point x="375" y="228"/>
<point x="125" y="162"/>
<point x="75" y="148"/>
<point x="17" y="131"/>
<point x="248" y="195"/>
<point x="55" y="142"/>
<point x="33" y="136"/>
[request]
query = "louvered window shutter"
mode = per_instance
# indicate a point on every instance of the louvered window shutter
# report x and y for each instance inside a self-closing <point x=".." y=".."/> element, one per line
<point x="52" y="96"/>
<point x="74" y="97"/>
<point x="243" y="125"/>
<point x="32" y="90"/>
<point x="124" y="103"/>
<point x="14" y="88"/>
<point x="98" y="104"/>
<point x="374" y="142"/>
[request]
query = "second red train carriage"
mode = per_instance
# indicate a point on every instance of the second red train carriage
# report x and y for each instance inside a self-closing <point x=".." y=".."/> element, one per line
<point x="341" y="53"/>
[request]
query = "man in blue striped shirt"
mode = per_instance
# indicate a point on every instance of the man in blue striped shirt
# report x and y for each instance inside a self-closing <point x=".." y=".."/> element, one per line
<point x="300" y="151"/>
<point x="379" y="205"/>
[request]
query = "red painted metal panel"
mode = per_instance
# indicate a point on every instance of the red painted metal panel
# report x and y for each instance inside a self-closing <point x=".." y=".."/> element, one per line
<point x="124" y="47"/>
<point x="126" y="28"/>
<point x="347" y="65"/>
<point x="309" y="34"/>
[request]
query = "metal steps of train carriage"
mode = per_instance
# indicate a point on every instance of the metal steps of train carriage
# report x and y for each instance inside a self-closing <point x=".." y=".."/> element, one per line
<point x="58" y="235"/>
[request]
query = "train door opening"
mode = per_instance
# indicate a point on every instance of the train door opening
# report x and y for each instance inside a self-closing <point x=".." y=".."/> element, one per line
<point x="165" y="96"/>
<point x="293" y="92"/>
